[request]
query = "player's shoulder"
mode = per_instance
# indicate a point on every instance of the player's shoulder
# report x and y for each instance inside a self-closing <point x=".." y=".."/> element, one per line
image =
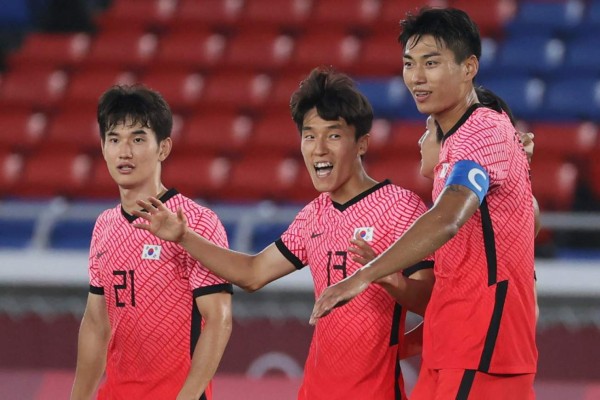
<point x="108" y="215"/>
<point x="484" y="118"/>
<point x="397" y="194"/>
<point x="190" y="207"/>
<point x="314" y="207"/>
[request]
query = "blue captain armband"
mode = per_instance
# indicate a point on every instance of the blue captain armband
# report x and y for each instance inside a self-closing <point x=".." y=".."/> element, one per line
<point x="472" y="175"/>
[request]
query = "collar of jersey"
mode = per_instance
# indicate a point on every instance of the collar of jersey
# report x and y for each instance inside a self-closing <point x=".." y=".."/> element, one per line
<point x="164" y="198"/>
<point x="359" y="197"/>
<point x="462" y="120"/>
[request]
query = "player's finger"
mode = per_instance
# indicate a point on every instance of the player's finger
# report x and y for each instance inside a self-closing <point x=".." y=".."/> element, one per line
<point x="144" y="204"/>
<point x="181" y="215"/>
<point x="145" y="227"/>
<point x="157" y="203"/>
<point x="141" y="214"/>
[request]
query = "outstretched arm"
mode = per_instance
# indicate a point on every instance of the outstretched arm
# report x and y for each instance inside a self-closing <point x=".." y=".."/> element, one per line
<point x="412" y="292"/>
<point x="453" y="209"/>
<point x="250" y="272"/>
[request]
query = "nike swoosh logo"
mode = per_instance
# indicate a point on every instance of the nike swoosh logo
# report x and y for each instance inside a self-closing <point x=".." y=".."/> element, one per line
<point x="314" y="235"/>
<point x="100" y="254"/>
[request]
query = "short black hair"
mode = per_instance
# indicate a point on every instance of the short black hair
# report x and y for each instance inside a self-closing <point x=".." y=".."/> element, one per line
<point x="137" y="103"/>
<point x="495" y="102"/>
<point x="335" y="96"/>
<point x="450" y="27"/>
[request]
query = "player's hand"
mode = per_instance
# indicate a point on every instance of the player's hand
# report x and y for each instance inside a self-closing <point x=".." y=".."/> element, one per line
<point x="338" y="295"/>
<point x="528" y="145"/>
<point x="361" y="251"/>
<point x="162" y="222"/>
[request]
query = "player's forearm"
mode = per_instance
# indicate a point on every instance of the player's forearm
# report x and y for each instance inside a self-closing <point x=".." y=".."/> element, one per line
<point x="428" y="233"/>
<point x="411" y="293"/>
<point x="207" y="356"/>
<point x="91" y="360"/>
<point x="228" y="264"/>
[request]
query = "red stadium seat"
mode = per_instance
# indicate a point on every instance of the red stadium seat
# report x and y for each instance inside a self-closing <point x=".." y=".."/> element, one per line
<point x="86" y="87"/>
<point x="553" y="182"/>
<point x="383" y="53"/>
<point x="52" y="173"/>
<point x="214" y="13"/>
<point x="101" y="185"/>
<point x="569" y="139"/>
<point x="303" y="190"/>
<point x="138" y="14"/>
<point x="380" y="137"/>
<point x="404" y="138"/>
<point x="11" y="168"/>
<point x="235" y="90"/>
<point x="392" y="11"/>
<point x="283" y="87"/>
<point x="21" y="129"/>
<point x="191" y="48"/>
<point x="275" y="133"/>
<point x="123" y="49"/>
<point x="214" y="133"/>
<point x="353" y="13"/>
<point x="55" y="50"/>
<point x="32" y="88"/>
<point x="181" y="88"/>
<point x="74" y="128"/>
<point x="488" y="15"/>
<point x="259" y="177"/>
<point x="196" y="176"/>
<point x="402" y="170"/>
<point x="264" y="50"/>
<point x="290" y="14"/>
<point x="326" y="47"/>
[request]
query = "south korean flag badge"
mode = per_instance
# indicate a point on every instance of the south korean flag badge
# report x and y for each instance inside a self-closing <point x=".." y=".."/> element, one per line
<point x="365" y="234"/>
<point x="151" y="252"/>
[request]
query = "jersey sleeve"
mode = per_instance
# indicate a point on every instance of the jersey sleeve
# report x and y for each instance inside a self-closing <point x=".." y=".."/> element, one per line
<point x="485" y="147"/>
<point x="413" y="208"/>
<point x="96" y="285"/>
<point x="292" y="243"/>
<point x="201" y="280"/>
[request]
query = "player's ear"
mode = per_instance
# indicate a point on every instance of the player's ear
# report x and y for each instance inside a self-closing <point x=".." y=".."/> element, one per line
<point x="165" y="147"/>
<point x="471" y="67"/>
<point x="363" y="144"/>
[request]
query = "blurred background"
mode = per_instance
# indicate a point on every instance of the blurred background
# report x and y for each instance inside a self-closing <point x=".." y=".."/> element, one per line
<point x="228" y="68"/>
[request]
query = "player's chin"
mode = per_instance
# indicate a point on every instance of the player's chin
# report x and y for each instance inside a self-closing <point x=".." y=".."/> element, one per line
<point x="321" y="184"/>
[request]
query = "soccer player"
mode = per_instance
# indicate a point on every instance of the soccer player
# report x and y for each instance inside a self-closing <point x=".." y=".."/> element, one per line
<point x="355" y="354"/>
<point x="155" y="319"/>
<point x="479" y="329"/>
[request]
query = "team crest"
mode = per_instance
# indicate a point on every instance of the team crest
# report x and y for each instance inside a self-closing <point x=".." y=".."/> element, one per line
<point x="365" y="234"/>
<point x="151" y="252"/>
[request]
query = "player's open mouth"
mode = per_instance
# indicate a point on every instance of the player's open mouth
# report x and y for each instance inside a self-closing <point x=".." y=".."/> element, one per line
<point x="125" y="168"/>
<point x="323" y="169"/>
<point x="421" y="94"/>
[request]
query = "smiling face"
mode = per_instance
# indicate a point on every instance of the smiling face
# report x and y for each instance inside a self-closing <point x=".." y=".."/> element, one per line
<point x="430" y="149"/>
<point x="439" y="85"/>
<point x="332" y="156"/>
<point x="133" y="156"/>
